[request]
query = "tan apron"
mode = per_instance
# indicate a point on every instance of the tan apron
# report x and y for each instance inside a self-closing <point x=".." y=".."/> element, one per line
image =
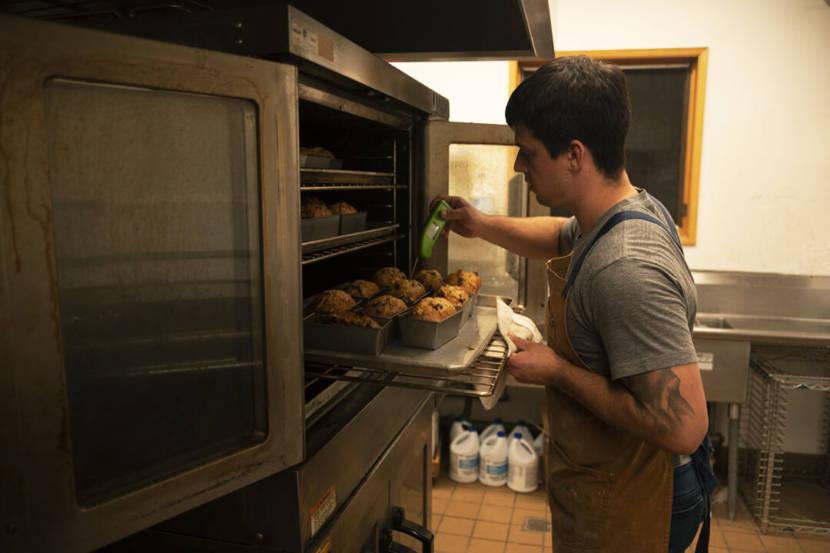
<point x="608" y="491"/>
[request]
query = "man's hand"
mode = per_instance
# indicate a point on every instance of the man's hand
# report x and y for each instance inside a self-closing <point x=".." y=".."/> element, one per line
<point x="533" y="363"/>
<point x="463" y="218"/>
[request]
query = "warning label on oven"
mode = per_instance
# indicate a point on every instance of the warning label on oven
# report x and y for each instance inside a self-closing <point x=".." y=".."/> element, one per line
<point x="323" y="510"/>
<point x="705" y="361"/>
<point x="308" y="43"/>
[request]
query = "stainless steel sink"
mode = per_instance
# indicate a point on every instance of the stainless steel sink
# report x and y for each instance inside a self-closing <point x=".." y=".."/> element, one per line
<point x="781" y="324"/>
<point x="712" y="321"/>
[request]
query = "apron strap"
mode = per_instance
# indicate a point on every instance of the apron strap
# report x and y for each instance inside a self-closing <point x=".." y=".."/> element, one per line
<point x="615" y="220"/>
<point x="706" y="479"/>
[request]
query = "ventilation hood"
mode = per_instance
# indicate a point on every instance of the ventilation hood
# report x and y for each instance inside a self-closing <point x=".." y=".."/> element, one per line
<point x="415" y="30"/>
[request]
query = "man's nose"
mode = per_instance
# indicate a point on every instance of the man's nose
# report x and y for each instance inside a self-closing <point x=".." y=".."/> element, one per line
<point x="518" y="166"/>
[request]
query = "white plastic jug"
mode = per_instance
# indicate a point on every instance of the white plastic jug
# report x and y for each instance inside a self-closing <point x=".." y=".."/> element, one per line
<point x="457" y="428"/>
<point x="493" y="429"/>
<point x="492" y="462"/>
<point x="523" y="432"/>
<point x="522" y="465"/>
<point x="464" y="457"/>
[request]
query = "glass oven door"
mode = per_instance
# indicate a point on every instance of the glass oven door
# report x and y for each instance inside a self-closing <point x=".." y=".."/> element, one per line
<point x="151" y="277"/>
<point x="475" y="161"/>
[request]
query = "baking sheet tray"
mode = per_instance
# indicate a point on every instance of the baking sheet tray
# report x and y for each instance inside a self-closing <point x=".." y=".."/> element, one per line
<point x="452" y="357"/>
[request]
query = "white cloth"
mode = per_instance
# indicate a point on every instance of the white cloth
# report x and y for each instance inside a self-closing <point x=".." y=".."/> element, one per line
<point x="510" y="323"/>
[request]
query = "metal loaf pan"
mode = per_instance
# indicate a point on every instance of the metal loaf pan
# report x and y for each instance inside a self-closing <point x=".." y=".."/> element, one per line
<point x="318" y="228"/>
<point x="469" y="307"/>
<point x="394" y="322"/>
<point x="344" y="338"/>
<point x="311" y="161"/>
<point x="352" y="222"/>
<point x="429" y="334"/>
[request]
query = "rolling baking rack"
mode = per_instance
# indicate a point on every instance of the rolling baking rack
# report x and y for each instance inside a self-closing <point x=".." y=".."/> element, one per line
<point x="795" y="497"/>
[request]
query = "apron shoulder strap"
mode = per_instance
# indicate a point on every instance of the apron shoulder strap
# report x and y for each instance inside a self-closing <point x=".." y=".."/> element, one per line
<point x="615" y="220"/>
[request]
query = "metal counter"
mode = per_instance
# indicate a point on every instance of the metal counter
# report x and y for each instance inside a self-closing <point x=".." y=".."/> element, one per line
<point x="737" y="311"/>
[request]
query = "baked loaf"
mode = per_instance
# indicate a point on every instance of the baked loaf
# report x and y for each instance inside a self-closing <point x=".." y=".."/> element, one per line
<point x="312" y="206"/>
<point x="430" y="278"/>
<point x="453" y="294"/>
<point x="384" y="306"/>
<point x="468" y="280"/>
<point x="348" y="318"/>
<point x="361" y="289"/>
<point x="387" y="276"/>
<point x="407" y="290"/>
<point x="342" y="208"/>
<point x="331" y="301"/>
<point x="432" y="309"/>
<point x="316" y="151"/>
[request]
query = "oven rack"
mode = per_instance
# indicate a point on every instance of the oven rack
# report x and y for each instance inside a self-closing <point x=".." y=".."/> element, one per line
<point x="479" y="379"/>
<point x="319" y="250"/>
<point x="317" y="187"/>
<point x="344" y="177"/>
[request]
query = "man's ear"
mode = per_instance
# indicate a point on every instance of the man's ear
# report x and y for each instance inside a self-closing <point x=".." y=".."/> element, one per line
<point x="576" y="155"/>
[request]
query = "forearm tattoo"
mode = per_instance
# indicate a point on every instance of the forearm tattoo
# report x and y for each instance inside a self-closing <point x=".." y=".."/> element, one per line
<point x="657" y="397"/>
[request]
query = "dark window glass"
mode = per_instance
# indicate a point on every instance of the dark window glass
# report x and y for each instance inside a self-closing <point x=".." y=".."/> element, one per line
<point x="157" y="240"/>
<point x="655" y="149"/>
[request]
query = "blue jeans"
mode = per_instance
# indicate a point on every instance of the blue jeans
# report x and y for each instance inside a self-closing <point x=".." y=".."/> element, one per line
<point x="689" y="508"/>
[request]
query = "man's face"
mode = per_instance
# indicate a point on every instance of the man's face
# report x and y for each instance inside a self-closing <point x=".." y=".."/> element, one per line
<point x="546" y="176"/>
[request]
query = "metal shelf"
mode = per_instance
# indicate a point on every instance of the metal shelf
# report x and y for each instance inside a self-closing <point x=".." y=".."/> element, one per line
<point x="780" y="497"/>
<point x="800" y="368"/>
<point x="319" y="250"/>
<point x="477" y="380"/>
<point x="341" y="176"/>
<point x="341" y="250"/>
<point x="347" y="186"/>
<point x="347" y="172"/>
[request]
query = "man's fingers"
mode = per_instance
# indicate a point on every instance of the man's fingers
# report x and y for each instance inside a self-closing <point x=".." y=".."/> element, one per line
<point x="521" y="343"/>
<point x="453" y="214"/>
<point x="438" y="198"/>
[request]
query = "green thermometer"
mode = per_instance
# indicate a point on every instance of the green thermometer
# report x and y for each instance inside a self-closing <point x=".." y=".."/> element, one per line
<point x="432" y="230"/>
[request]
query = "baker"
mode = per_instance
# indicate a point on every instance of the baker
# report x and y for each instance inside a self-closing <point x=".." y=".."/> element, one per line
<point x="629" y="466"/>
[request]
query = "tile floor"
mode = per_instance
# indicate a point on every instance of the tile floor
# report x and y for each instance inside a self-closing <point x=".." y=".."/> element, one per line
<point x="474" y="518"/>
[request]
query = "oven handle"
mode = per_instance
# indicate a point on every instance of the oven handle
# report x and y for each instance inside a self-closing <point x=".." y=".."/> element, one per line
<point x="395" y="547"/>
<point x="400" y="524"/>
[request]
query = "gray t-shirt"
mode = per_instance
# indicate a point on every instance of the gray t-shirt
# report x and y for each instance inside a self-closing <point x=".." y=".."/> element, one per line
<point x="633" y="304"/>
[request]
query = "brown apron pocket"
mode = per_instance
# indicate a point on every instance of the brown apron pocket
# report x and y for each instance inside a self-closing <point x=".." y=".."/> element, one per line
<point x="579" y="501"/>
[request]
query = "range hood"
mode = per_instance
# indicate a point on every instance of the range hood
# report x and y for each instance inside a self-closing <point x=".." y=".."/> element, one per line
<point x="416" y="30"/>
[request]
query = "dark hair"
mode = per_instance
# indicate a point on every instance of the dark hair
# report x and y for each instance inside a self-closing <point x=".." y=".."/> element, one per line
<point x="576" y="98"/>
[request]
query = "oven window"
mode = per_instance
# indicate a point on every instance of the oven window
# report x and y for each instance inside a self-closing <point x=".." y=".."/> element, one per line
<point x="157" y="241"/>
<point x="483" y="174"/>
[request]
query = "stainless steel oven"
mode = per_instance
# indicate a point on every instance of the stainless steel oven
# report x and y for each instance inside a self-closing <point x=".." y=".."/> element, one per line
<point x="154" y="270"/>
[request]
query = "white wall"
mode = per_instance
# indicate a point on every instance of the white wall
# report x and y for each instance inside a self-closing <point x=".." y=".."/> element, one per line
<point x="765" y="164"/>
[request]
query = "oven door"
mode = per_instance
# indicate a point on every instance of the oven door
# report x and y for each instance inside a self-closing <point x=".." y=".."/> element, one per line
<point x="150" y="357"/>
<point x="475" y="161"/>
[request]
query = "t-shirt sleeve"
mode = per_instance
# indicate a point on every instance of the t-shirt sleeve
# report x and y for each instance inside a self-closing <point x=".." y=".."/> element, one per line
<point x="642" y="318"/>
<point x="568" y="234"/>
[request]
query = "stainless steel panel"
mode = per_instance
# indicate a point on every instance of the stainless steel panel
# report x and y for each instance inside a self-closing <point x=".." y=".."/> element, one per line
<point x="401" y="478"/>
<point x="297" y="508"/>
<point x="44" y="514"/>
<point x="764" y="308"/>
<point x="339" y="102"/>
<point x="311" y="40"/>
<point x="724" y="369"/>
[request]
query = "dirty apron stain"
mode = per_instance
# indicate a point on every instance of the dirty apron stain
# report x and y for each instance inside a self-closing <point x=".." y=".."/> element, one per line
<point x="608" y="491"/>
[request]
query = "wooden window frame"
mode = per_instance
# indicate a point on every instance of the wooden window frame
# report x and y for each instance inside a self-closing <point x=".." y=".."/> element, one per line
<point x="697" y="59"/>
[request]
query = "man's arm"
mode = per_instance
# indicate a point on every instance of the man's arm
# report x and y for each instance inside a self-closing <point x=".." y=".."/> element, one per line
<point x="531" y="237"/>
<point x="665" y="407"/>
